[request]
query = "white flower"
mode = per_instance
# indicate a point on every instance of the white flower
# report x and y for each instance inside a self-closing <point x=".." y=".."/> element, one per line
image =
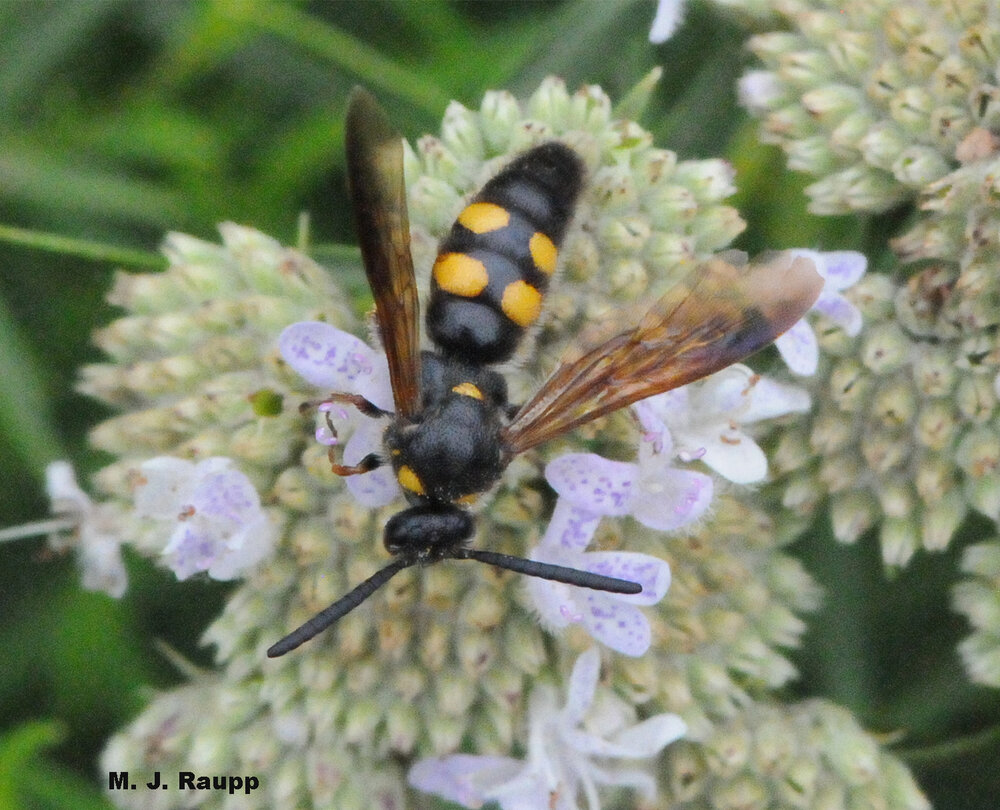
<point x="337" y="361"/>
<point x="840" y="269"/>
<point x="758" y="90"/>
<point x="667" y="20"/>
<point x="566" y="755"/>
<point x="98" y="548"/>
<point x="705" y="419"/>
<point x="212" y="512"/>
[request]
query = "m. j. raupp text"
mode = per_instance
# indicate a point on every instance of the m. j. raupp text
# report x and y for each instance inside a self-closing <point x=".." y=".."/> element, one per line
<point x="187" y="780"/>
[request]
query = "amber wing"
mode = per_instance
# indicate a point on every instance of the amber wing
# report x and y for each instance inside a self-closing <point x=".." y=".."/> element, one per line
<point x="720" y="314"/>
<point x="378" y="194"/>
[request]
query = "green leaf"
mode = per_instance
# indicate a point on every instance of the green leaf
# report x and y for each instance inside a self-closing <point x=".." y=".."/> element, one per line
<point x="25" y="415"/>
<point x="28" y="780"/>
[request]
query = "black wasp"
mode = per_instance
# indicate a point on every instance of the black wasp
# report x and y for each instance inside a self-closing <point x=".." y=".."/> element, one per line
<point x="454" y="432"/>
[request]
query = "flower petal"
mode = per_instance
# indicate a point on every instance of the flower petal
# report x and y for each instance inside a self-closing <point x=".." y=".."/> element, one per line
<point x="581" y="687"/>
<point x="618" y="625"/>
<point x="841" y="311"/>
<point x="639" y="781"/>
<point x="223" y="495"/>
<point x="253" y="544"/>
<point x="654" y="413"/>
<point x="652" y="573"/>
<point x="190" y="549"/>
<point x="330" y="358"/>
<point x="672" y="499"/>
<point x="63" y="490"/>
<point x="463" y="778"/>
<point x="758" y="90"/>
<point x="735" y="456"/>
<point x="669" y="14"/>
<point x="770" y="399"/>
<point x="649" y="737"/>
<point x="843" y="268"/>
<point x="100" y="559"/>
<point x="569" y="528"/>
<point x="379" y="487"/>
<point x="592" y="483"/>
<point x="799" y="349"/>
<point x="164" y="484"/>
<point x="555" y="602"/>
<point x="724" y="392"/>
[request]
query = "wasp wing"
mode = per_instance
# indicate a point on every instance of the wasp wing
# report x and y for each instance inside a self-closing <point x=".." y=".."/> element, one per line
<point x="378" y="195"/>
<point x="718" y="315"/>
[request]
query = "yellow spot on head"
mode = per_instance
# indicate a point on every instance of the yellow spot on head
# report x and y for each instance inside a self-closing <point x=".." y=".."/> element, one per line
<point x="460" y="274"/>
<point x="543" y="253"/>
<point x="467" y="500"/>
<point x="521" y="302"/>
<point x="467" y="389"/>
<point x="408" y="480"/>
<point x="483" y="217"/>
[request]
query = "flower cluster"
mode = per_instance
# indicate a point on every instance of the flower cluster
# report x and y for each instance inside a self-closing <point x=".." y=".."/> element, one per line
<point x="890" y="105"/>
<point x="210" y="365"/>
<point x="876" y="100"/>
<point x="978" y="598"/>
<point x="811" y="754"/>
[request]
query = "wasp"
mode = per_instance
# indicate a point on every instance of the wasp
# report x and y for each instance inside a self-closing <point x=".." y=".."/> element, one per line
<point x="453" y="431"/>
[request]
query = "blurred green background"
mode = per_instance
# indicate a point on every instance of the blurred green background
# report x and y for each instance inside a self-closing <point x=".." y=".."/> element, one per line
<point x="122" y="120"/>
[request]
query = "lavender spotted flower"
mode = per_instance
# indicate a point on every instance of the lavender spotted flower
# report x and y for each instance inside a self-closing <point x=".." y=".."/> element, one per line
<point x="211" y="511"/>
<point x="335" y="360"/>
<point x="840" y="269"/>
<point x="652" y="490"/>
<point x="568" y="754"/>
<point x="613" y="619"/>
<point x="589" y="486"/>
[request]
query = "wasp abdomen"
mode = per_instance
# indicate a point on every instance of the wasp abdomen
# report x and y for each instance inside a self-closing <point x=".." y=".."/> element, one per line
<point x="493" y="269"/>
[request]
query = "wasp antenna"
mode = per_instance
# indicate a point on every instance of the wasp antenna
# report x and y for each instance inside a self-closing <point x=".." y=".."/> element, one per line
<point x="557" y="573"/>
<point x="341" y="607"/>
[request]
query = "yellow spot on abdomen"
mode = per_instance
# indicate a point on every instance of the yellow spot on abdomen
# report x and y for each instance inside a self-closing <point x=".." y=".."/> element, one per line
<point x="483" y="217"/>
<point x="409" y="480"/>
<point x="460" y="274"/>
<point x="467" y="389"/>
<point x="521" y="302"/>
<point x="543" y="253"/>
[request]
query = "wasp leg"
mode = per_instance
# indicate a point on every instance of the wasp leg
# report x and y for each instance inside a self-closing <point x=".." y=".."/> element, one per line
<point x="363" y="405"/>
<point x="366" y="408"/>
<point x="367" y="464"/>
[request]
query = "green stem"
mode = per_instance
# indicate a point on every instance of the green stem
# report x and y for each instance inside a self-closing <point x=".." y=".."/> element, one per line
<point x="951" y="749"/>
<point x="81" y="248"/>
<point x="347" y="52"/>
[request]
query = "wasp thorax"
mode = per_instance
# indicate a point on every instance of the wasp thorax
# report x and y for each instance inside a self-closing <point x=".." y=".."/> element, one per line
<point x="452" y="452"/>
